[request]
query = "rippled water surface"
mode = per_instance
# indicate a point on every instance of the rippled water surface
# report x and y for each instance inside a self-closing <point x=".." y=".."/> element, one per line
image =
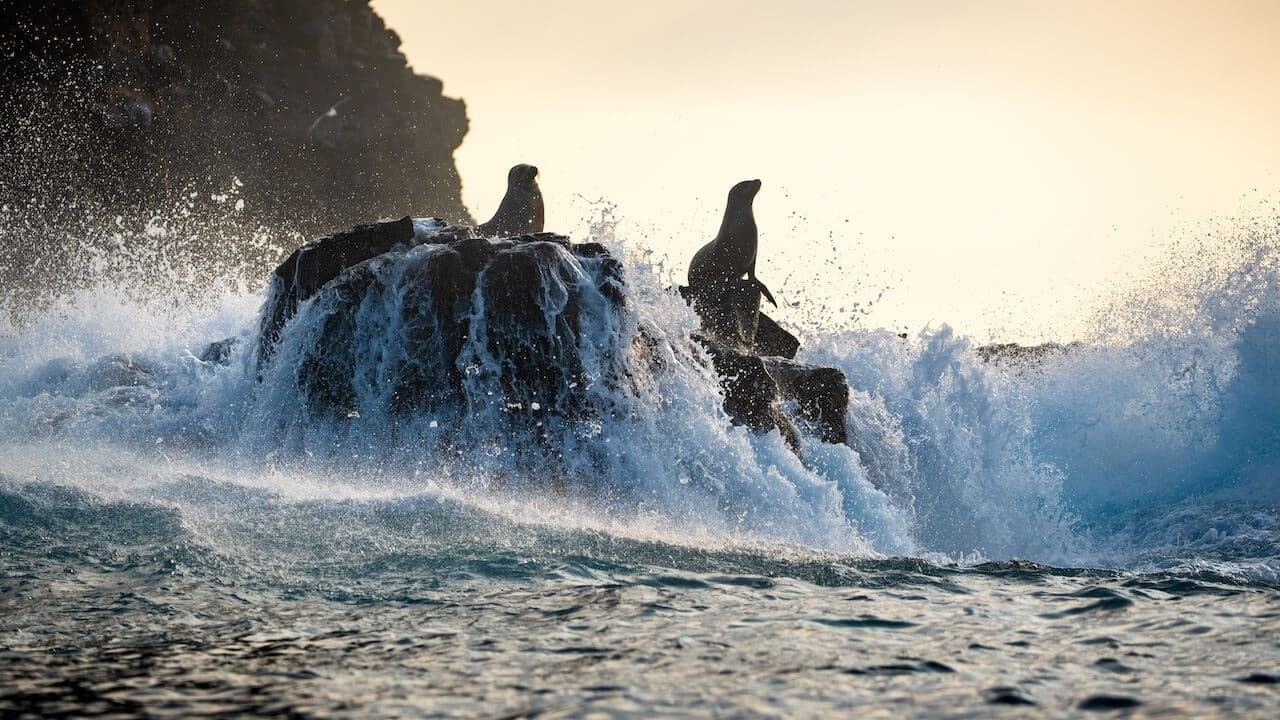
<point x="424" y="606"/>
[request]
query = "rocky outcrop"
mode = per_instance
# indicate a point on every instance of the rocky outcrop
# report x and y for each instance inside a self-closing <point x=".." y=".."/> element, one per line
<point x="428" y="299"/>
<point x="308" y="104"/>
<point x="766" y="393"/>
<point x="313" y="265"/>
<point x="763" y="385"/>
<point x="415" y="316"/>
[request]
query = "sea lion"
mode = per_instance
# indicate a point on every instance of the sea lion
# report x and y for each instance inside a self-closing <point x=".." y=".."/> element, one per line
<point x="732" y="253"/>
<point x="520" y="211"/>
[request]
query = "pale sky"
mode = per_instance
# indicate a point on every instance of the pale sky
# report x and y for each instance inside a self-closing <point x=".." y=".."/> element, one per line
<point x="992" y="165"/>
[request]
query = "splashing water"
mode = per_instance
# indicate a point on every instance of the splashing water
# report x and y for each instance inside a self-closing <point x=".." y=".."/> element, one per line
<point x="1148" y="446"/>
<point x="195" y="533"/>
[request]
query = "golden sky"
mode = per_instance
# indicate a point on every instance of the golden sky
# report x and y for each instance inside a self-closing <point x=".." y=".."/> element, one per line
<point x="993" y="165"/>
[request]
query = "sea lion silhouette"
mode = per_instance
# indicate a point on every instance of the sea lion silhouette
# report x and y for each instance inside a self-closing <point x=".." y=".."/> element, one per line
<point x="732" y="253"/>
<point x="520" y="211"/>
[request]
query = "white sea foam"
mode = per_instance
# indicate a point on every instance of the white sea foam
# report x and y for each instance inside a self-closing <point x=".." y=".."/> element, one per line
<point x="1153" y="444"/>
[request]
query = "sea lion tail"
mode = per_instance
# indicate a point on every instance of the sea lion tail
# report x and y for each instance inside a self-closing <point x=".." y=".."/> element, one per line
<point x="764" y="291"/>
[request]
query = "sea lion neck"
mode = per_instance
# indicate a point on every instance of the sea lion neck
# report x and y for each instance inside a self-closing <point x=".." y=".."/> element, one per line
<point x="739" y="224"/>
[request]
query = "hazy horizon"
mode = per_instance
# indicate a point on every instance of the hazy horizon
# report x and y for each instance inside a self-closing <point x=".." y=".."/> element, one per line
<point x="994" y="165"/>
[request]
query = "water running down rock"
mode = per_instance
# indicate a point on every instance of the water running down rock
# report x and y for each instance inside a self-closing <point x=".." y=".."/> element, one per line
<point x="521" y="312"/>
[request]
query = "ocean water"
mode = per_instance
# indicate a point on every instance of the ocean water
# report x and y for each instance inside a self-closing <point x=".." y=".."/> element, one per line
<point x="1095" y="530"/>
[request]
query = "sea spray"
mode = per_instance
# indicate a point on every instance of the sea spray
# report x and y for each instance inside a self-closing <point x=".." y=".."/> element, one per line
<point x="1142" y="450"/>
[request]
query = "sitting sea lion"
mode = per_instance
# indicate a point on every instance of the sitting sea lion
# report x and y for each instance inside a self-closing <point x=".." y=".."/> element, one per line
<point x="732" y="253"/>
<point x="520" y="211"/>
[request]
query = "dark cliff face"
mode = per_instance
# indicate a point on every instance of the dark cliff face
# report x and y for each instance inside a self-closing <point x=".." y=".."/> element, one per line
<point x="309" y="104"/>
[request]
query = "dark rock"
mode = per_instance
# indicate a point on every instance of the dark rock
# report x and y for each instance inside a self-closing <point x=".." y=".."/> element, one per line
<point x="327" y="369"/>
<point x="531" y="320"/>
<point x="590" y="250"/>
<point x="767" y="337"/>
<point x="771" y="339"/>
<point x="822" y="394"/>
<point x="749" y="391"/>
<point x="419" y="303"/>
<point x="611" y="285"/>
<point x="219" y="353"/>
<point x="318" y="262"/>
<point x="475" y="253"/>
<point x="398" y="316"/>
<point x="436" y="299"/>
<point x="753" y="356"/>
<point x="195" y="96"/>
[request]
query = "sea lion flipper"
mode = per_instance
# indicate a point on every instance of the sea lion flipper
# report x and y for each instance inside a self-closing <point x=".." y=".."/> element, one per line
<point x="764" y="291"/>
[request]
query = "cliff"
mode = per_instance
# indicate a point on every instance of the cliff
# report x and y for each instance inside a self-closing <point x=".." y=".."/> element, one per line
<point x="132" y="105"/>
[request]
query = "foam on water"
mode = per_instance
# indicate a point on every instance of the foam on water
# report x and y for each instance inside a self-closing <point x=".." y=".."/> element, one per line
<point x="1152" y="445"/>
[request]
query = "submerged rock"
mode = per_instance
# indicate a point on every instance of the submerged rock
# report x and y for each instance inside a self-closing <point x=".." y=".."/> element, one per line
<point x="219" y="353"/>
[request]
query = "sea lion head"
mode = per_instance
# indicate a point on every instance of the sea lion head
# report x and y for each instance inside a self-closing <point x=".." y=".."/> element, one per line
<point x="522" y="176"/>
<point x="744" y="192"/>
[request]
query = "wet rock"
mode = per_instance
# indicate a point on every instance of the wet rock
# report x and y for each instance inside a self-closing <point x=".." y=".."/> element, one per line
<point x="436" y="298"/>
<point x="754" y="357"/>
<point x="219" y="353"/>
<point x="317" y="263"/>
<point x="327" y="369"/>
<point x="426" y="301"/>
<point x="414" y="304"/>
<point x="750" y="392"/>
<point x="821" y="394"/>
<point x="531" y="313"/>
<point x="771" y="339"/>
